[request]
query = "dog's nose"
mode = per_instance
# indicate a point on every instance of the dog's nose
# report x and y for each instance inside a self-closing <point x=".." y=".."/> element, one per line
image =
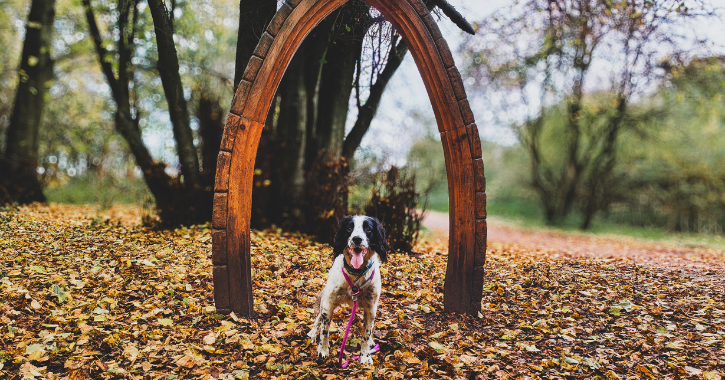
<point x="357" y="240"/>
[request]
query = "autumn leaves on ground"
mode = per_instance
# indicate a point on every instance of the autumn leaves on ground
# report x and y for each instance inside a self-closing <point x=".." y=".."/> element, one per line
<point x="84" y="296"/>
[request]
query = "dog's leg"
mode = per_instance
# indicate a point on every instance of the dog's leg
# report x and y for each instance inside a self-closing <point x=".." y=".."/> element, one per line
<point x="321" y="328"/>
<point x="370" y="306"/>
<point x="326" y="310"/>
<point x="313" y="333"/>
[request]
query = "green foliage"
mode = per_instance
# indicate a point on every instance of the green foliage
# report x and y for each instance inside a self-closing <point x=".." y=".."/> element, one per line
<point x="505" y="169"/>
<point x="676" y="170"/>
<point x="105" y="191"/>
<point x="79" y="144"/>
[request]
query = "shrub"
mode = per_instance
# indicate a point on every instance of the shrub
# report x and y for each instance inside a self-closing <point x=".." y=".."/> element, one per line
<point x="399" y="206"/>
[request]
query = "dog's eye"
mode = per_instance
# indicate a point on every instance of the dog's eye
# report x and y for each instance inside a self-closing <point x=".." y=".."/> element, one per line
<point x="367" y="229"/>
<point x="349" y="229"/>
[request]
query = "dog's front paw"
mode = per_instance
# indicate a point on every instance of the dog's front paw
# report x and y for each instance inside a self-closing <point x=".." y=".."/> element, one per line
<point x="313" y="335"/>
<point x="323" y="352"/>
<point x="366" y="359"/>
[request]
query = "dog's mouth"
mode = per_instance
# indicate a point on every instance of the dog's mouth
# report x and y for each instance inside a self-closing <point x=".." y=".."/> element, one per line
<point x="357" y="256"/>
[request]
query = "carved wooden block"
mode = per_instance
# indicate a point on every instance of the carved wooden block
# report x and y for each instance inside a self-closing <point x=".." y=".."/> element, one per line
<point x="457" y="83"/>
<point x="219" y="216"/>
<point x="278" y="20"/>
<point x="445" y="53"/>
<point x="230" y="132"/>
<point x="221" y="182"/>
<point x="221" y="289"/>
<point x="263" y="46"/>
<point x="252" y="68"/>
<point x="240" y="98"/>
<point x="219" y="247"/>
<point x="475" y="142"/>
<point x="419" y="7"/>
<point x="479" y="178"/>
<point x="433" y="28"/>
<point x="480" y="205"/>
<point x="466" y="111"/>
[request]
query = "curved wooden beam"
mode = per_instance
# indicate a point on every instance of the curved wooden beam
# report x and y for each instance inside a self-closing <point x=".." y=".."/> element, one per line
<point x="253" y="97"/>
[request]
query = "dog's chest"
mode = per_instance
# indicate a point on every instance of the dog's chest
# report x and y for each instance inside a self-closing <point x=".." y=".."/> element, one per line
<point x="343" y="294"/>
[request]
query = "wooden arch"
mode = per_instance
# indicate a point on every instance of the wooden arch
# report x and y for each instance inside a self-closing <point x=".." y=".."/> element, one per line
<point x="253" y="97"/>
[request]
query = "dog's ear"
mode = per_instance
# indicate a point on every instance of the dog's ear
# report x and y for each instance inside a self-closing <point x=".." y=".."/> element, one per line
<point x="380" y="245"/>
<point x="341" y="237"/>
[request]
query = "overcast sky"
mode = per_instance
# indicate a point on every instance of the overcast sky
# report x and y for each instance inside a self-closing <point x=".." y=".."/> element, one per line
<point x="393" y="130"/>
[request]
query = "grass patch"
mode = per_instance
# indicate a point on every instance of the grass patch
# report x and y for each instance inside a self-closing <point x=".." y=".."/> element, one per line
<point x="106" y="191"/>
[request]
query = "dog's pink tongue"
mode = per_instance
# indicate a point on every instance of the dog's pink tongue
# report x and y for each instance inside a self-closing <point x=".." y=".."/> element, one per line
<point x="357" y="258"/>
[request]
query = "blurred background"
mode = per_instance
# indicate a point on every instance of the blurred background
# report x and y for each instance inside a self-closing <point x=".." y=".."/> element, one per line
<point x="595" y="115"/>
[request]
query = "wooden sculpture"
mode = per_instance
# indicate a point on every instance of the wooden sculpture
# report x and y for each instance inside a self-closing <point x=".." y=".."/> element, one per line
<point x="459" y="135"/>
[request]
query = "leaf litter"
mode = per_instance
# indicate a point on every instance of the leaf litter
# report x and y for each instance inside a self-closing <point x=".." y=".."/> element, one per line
<point x="86" y="297"/>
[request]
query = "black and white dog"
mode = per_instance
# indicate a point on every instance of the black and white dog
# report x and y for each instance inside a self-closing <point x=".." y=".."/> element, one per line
<point x="359" y="248"/>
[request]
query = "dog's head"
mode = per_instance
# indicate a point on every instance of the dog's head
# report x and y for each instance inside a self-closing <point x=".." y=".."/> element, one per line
<point x="358" y="238"/>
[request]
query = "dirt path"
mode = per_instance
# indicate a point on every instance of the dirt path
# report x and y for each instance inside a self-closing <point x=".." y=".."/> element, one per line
<point x="695" y="260"/>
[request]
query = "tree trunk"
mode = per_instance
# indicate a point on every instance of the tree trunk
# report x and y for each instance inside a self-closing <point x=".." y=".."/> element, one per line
<point x="168" y="66"/>
<point x="254" y="15"/>
<point x="281" y="162"/>
<point x="211" y="126"/>
<point x="336" y="85"/>
<point x="288" y="178"/>
<point x="19" y="177"/>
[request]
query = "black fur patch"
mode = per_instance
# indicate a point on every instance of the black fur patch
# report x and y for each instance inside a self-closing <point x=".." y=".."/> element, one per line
<point x="338" y="247"/>
<point x="375" y="234"/>
<point x="378" y="242"/>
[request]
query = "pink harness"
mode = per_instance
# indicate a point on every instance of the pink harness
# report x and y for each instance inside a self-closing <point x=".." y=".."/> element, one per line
<point x="355" y="292"/>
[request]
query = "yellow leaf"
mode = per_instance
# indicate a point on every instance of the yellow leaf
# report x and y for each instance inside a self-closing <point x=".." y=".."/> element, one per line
<point x="186" y="361"/>
<point x="209" y="339"/>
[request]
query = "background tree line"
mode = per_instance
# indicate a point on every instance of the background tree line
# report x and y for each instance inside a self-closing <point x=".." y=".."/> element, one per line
<point x="143" y="65"/>
<point x="616" y="107"/>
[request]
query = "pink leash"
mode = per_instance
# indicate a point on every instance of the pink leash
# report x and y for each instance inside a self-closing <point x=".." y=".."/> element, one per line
<point x="352" y="318"/>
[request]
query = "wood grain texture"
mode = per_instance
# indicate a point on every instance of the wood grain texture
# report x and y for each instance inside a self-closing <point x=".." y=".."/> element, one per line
<point x="466" y="111"/>
<point x="478" y="176"/>
<point x="263" y="46"/>
<point x="221" y="181"/>
<point x="219" y="215"/>
<point x="479" y="259"/>
<point x="240" y="98"/>
<point x="230" y="132"/>
<point x="475" y="141"/>
<point x="445" y="53"/>
<point x="433" y="29"/>
<point x="252" y="68"/>
<point x="461" y="247"/>
<point x="279" y="19"/>
<point x="221" y="288"/>
<point x="219" y="247"/>
<point x="457" y="83"/>
<point x="481" y="205"/>
<point x="240" y="200"/>
<point x="253" y="97"/>
<point x="420" y="8"/>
